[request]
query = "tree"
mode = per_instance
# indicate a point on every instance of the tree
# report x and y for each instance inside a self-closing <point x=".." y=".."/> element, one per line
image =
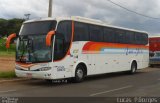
<point x="10" y="26"/>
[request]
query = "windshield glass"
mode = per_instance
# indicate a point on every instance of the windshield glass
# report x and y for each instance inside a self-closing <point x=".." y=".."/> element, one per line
<point x="35" y="28"/>
<point x="31" y="45"/>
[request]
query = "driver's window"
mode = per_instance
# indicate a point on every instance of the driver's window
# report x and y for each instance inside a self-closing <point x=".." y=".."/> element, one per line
<point x="60" y="45"/>
<point x="62" y="39"/>
<point x="59" y="49"/>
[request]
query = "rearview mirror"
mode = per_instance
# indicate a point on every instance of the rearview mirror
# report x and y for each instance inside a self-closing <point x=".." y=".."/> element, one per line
<point x="49" y="37"/>
<point x="9" y="39"/>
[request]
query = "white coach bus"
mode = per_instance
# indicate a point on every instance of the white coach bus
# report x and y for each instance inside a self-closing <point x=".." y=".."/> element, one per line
<point x="77" y="47"/>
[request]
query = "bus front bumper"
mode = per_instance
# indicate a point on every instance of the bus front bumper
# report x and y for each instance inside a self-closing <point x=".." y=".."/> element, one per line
<point x="34" y="74"/>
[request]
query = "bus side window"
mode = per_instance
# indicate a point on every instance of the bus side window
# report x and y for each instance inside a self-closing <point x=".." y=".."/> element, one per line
<point x="81" y="32"/>
<point x="96" y="33"/>
<point x="109" y="35"/>
<point x="139" y="39"/>
<point x="144" y="39"/>
<point x="120" y="36"/>
<point x="130" y="37"/>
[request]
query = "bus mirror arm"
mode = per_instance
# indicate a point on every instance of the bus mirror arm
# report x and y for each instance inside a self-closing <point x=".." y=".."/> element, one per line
<point x="49" y="37"/>
<point x="9" y="39"/>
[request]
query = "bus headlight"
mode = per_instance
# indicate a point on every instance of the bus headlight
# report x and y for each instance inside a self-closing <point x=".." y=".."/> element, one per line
<point x="45" y="68"/>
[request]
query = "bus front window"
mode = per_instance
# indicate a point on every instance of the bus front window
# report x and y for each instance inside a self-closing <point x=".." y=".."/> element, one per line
<point x="33" y="49"/>
<point x="31" y="45"/>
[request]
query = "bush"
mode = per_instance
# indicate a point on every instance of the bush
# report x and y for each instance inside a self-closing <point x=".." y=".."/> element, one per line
<point x="4" y="51"/>
<point x="3" y="46"/>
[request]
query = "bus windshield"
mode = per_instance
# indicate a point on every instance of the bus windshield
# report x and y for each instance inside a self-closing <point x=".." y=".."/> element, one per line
<point x="31" y="46"/>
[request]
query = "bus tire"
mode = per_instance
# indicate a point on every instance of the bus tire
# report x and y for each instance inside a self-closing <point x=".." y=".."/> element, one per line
<point x="79" y="74"/>
<point x="133" y="68"/>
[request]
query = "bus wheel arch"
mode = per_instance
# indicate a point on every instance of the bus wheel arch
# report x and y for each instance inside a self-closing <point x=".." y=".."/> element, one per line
<point x="134" y="67"/>
<point x="81" y="67"/>
<point x="84" y="67"/>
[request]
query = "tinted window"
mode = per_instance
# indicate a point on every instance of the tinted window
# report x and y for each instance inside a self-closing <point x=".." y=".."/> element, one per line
<point x="120" y="36"/>
<point x="81" y="32"/>
<point x="64" y="30"/>
<point x="145" y="39"/>
<point x="109" y="35"/>
<point x="63" y="39"/>
<point x="96" y="33"/>
<point x="141" y="38"/>
<point x="59" y="49"/>
<point x="138" y="38"/>
<point x="42" y="27"/>
<point x="130" y="37"/>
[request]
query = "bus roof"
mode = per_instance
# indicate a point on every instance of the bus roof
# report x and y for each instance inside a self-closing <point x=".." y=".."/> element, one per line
<point x="84" y="20"/>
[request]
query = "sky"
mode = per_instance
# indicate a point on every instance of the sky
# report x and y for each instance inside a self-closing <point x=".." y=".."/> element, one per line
<point x="97" y="9"/>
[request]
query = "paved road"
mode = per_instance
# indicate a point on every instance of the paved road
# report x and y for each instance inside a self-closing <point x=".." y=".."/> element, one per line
<point x="145" y="83"/>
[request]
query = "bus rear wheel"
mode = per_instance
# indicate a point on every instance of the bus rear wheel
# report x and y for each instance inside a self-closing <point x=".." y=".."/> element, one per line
<point x="133" y="68"/>
<point x="79" y="74"/>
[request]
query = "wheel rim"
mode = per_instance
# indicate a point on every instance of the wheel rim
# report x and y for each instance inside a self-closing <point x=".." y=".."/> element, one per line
<point x="80" y="73"/>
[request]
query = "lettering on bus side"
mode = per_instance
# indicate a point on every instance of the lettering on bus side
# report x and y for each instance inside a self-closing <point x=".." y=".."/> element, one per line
<point x="60" y="68"/>
<point x="133" y="51"/>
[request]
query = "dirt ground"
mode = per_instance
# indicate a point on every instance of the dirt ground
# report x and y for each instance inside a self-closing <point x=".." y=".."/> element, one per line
<point x="7" y="64"/>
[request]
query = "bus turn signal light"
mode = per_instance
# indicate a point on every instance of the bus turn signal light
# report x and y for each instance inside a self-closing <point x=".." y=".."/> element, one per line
<point x="49" y="37"/>
<point x="10" y="37"/>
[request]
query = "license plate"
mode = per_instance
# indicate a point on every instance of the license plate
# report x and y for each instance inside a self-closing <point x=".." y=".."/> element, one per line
<point x="29" y="75"/>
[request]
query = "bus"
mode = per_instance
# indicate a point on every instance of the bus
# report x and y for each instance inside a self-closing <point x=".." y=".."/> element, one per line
<point x="154" y="51"/>
<point x="76" y="47"/>
<point x="154" y="43"/>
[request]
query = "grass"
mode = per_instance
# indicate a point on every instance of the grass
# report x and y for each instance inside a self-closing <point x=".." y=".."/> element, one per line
<point x="6" y="52"/>
<point x="10" y="74"/>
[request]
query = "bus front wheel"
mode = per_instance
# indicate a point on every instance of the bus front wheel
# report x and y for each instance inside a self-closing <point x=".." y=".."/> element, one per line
<point x="79" y="74"/>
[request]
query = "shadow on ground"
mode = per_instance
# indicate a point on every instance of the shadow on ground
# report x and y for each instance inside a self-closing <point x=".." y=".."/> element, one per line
<point x="64" y="82"/>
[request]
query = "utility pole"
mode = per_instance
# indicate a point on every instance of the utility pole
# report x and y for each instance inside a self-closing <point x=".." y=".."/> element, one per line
<point x="50" y="8"/>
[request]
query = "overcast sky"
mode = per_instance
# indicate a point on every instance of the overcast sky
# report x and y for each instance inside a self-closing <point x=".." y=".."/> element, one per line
<point x="97" y="9"/>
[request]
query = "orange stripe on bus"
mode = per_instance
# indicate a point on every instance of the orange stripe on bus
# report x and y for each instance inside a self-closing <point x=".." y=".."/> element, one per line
<point x="24" y="65"/>
<point x="97" y="46"/>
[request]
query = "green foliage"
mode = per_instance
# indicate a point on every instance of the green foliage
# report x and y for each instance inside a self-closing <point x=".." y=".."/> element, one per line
<point x="3" y="47"/>
<point x="7" y="54"/>
<point x="10" y="26"/>
<point x="6" y="28"/>
<point x="4" y="51"/>
<point x="10" y="74"/>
